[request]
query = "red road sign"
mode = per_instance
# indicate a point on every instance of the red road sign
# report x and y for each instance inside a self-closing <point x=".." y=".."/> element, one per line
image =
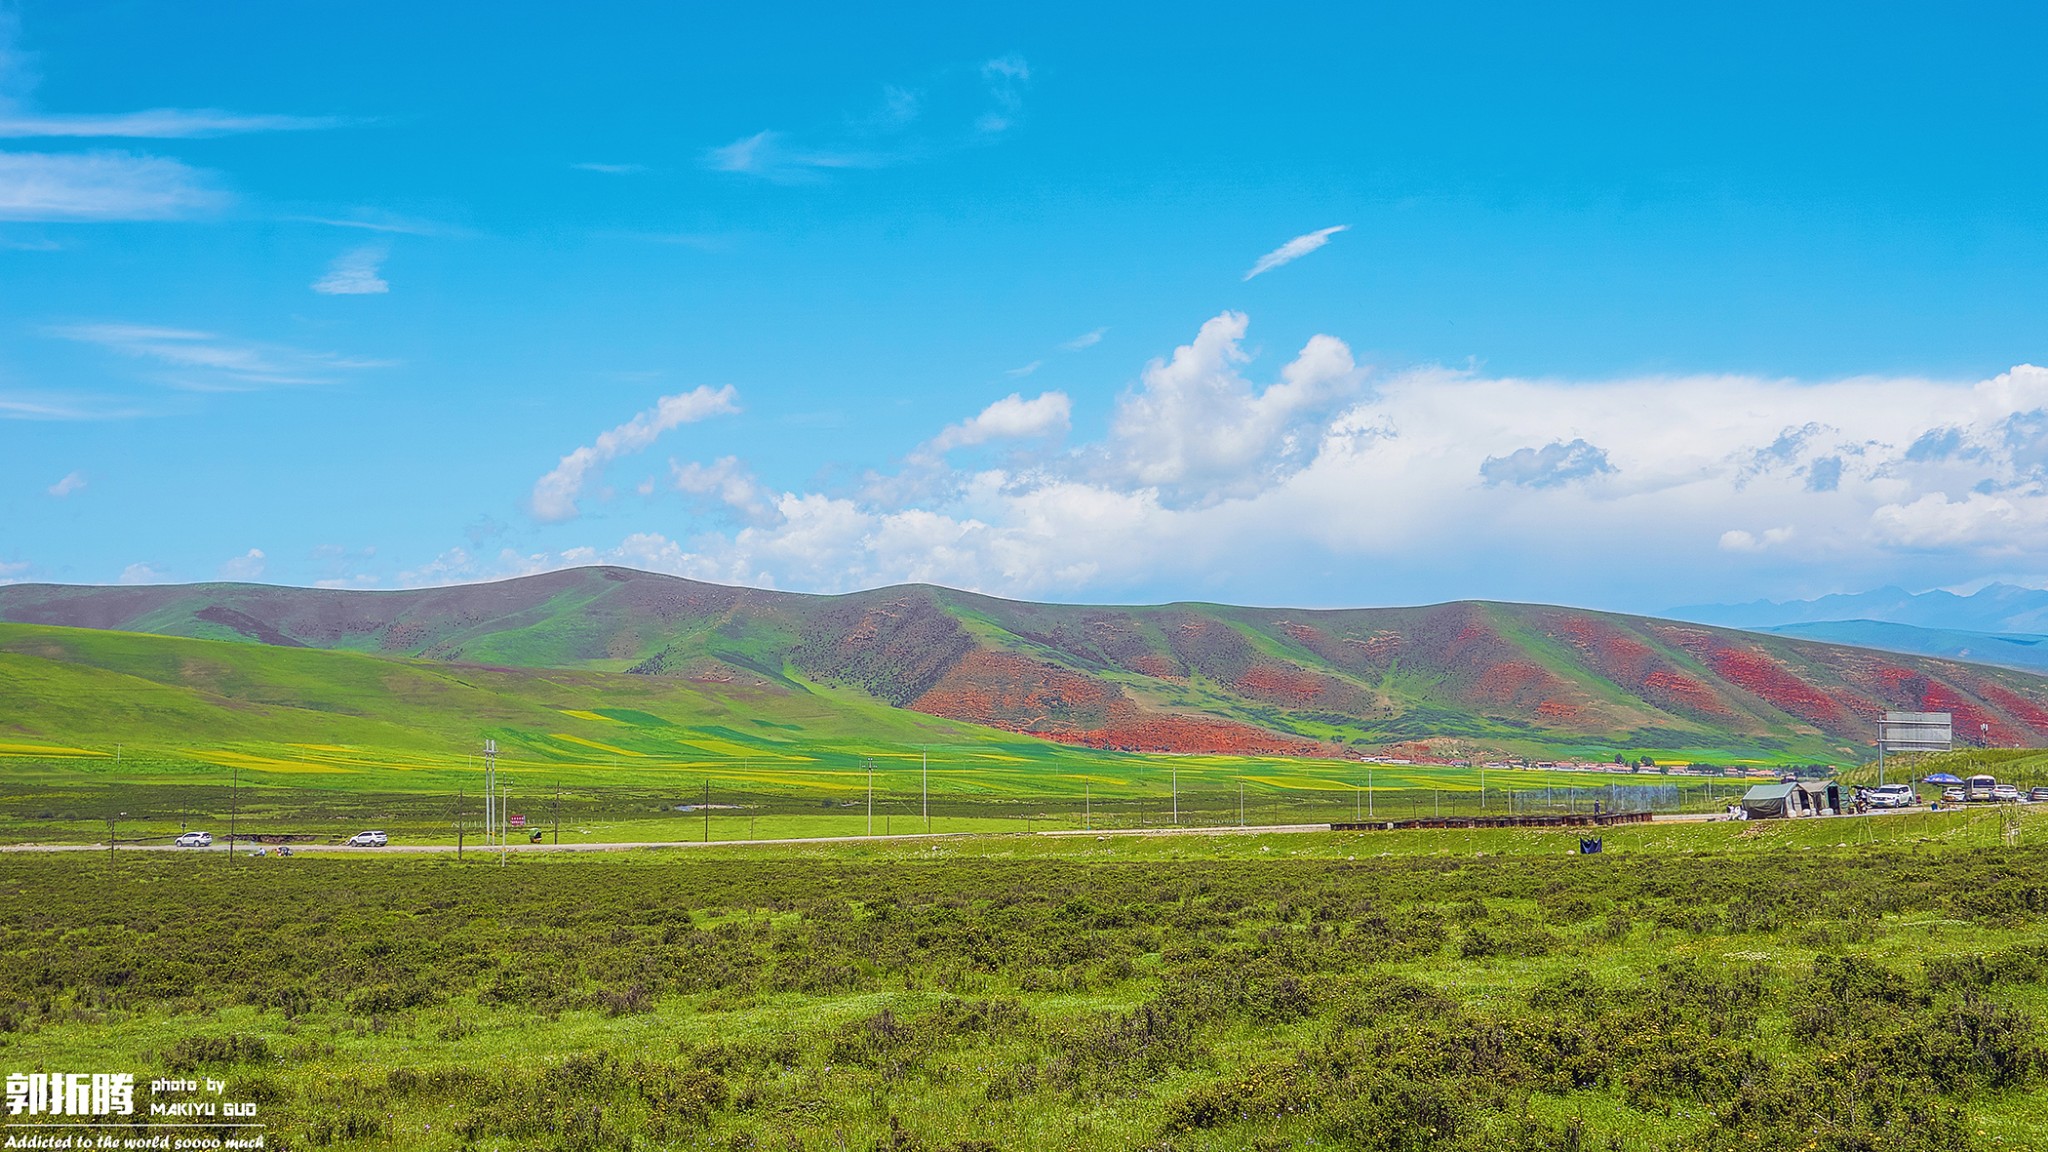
<point x="517" y="821"/>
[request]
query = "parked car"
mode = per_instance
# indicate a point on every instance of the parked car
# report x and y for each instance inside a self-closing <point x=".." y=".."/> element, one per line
<point x="1893" y="796"/>
<point x="2037" y="794"/>
<point x="2005" y="793"/>
<point x="1979" y="789"/>
<point x="1953" y="795"/>
<point x="194" y="840"/>
<point x="368" y="840"/>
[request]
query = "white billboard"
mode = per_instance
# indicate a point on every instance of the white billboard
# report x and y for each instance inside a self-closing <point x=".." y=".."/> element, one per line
<point x="1916" y="731"/>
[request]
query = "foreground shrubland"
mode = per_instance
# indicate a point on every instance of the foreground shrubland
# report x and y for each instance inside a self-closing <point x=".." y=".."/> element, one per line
<point x="1888" y="996"/>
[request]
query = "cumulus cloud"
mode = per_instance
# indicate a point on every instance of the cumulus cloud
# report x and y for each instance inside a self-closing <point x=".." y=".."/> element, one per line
<point x="1011" y="418"/>
<point x="1547" y="467"/>
<point x="1742" y="540"/>
<point x="142" y="573"/>
<point x="248" y="566"/>
<point x="1215" y="464"/>
<point x="554" y="494"/>
<point x="354" y="273"/>
<point x="1199" y="429"/>
<point x="1295" y="249"/>
<point x="72" y="482"/>
<point x="66" y="187"/>
<point x="726" y="481"/>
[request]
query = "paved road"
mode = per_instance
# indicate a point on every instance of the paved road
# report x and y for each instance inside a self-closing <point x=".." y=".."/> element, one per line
<point x="622" y="846"/>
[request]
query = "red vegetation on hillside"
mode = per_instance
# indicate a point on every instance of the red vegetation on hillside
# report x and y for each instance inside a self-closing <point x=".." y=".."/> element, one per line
<point x="1008" y="691"/>
<point x="1172" y="733"/>
<point x="2021" y="709"/>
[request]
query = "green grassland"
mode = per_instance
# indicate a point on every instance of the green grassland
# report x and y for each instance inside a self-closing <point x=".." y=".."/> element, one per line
<point x="1832" y="985"/>
<point x="179" y="732"/>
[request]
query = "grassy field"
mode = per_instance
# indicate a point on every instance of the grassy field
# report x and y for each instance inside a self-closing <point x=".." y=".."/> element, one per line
<point x="1846" y="984"/>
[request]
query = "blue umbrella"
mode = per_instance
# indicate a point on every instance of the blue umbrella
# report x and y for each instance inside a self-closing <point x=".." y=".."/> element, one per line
<point x="1943" y="778"/>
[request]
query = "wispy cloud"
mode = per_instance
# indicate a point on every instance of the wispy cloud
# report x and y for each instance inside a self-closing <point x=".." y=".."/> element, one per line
<point x="60" y="187"/>
<point x="1085" y="340"/>
<point x="373" y="220"/>
<point x="959" y="108"/>
<point x="555" y="494"/>
<point x="610" y="169"/>
<point x="354" y="273"/>
<point x="154" y="124"/>
<point x="72" y="482"/>
<point x="205" y="362"/>
<point x="45" y="406"/>
<point x="1295" y="249"/>
<point x="1026" y="370"/>
<point x="773" y="156"/>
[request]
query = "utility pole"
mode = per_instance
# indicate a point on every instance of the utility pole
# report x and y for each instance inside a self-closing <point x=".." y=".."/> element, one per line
<point x="491" y="805"/>
<point x="1176" y="795"/>
<point x="925" y="758"/>
<point x="707" y="810"/>
<point x="111" y="832"/>
<point x="1368" y="792"/>
<point x="459" y="797"/>
<point x="504" y="806"/>
<point x="1087" y="809"/>
<point x="234" y="807"/>
<point x="1240" y="803"/>
<point x="871" y="795"/>
<point x="558" y="813"/>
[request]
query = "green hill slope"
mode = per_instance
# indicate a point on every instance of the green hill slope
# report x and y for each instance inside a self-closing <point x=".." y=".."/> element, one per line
<point x="1199" y="678"/>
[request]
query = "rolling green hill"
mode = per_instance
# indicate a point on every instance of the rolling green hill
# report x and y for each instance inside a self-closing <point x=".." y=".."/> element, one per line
<point x="537" y="656"/>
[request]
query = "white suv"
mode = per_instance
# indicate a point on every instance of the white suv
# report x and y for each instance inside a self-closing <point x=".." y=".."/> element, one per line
<point x="1893" y="796"/>
<point x="368" y="840"/>
<point x="194" y="840"/>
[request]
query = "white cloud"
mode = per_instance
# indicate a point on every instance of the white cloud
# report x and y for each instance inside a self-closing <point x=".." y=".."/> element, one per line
<point x="610" y="169"/>
<point x="248" y="566"/>
<point x="957" y="109"/>
<point x="1742" y="540"/>
<point x="554" y="495"/>
<point x="155" y="123"/>
<point x="1085" y="340"/>
<point x="1197" y="427"/>
<point x="13" y="573"/>
<point x="37" y="406"/>
<point x="206" y="362"/>
<point x="1011" y="418"/>
<point x="354" y="273"/>
<point x="140" y="573"/>
<point x="727" y="481"/>
<point x="1978" y="520"/>
<point x="72" y="482"/>
<point x="1430" y="483"/>
<point x="1295" y="249"/>
<point x="1026" y="370"/>
<point x="97" y="186"/>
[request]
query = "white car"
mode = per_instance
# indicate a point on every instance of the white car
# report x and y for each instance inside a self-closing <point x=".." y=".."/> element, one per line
<point x="2005" y="793"/>
<point x="368" y="840"/>
<point x="1893" y="796"/>
<point x="194" y="840"/>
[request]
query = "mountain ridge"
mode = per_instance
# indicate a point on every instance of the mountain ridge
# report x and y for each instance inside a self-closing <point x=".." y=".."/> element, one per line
<point x="1181" y="677"/>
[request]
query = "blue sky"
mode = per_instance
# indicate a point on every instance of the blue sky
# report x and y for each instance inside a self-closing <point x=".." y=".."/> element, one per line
<point x="1595" y="306"/>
